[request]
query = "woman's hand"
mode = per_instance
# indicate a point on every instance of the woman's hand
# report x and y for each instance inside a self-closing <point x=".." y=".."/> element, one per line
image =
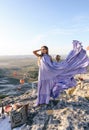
<point x="35" y="52"/>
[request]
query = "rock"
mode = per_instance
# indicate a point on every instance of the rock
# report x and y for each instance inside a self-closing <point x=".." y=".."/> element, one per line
<point x="70" y="111"/>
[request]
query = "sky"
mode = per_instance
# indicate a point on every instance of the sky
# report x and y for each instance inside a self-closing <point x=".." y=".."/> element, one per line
<point x="26" y="25"/>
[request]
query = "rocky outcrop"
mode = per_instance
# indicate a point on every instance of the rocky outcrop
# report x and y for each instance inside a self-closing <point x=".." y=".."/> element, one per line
<point x="70" y="111"/>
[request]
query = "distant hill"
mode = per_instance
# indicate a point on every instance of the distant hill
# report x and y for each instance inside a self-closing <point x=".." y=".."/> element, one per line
<point x="16" y="56"/>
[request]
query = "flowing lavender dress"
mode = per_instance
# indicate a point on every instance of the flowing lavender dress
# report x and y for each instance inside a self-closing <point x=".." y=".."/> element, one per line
<point x="56" y="77"/>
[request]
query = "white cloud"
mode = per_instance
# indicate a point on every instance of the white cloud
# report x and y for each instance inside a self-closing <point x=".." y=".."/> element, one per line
<point x="80" y="18"/>
<point x="61" y="31"/>
<point x="37" y="39"/>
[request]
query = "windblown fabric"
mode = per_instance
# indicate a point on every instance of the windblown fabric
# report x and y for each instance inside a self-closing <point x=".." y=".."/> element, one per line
<point x="54" y="77"/>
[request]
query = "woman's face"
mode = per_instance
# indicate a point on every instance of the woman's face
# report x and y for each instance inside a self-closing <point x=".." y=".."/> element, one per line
<point x="43" y="50"/>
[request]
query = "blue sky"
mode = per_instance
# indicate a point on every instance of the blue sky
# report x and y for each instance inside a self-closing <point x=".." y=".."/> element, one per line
<point x="26" y="25"/>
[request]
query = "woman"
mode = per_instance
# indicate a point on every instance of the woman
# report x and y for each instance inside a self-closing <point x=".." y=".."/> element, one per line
<point x="54" y="78"/>
<point x="43" y="90"/>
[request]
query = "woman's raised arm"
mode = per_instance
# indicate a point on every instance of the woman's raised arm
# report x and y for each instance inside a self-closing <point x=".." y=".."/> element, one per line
<point x="36" y="52"/>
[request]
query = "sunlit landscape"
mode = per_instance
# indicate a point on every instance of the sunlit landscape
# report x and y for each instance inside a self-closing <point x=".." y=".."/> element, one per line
<point x="15" y="68"/>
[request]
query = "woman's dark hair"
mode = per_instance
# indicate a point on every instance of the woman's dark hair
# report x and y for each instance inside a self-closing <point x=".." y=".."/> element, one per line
<point x="46" y="49"/>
